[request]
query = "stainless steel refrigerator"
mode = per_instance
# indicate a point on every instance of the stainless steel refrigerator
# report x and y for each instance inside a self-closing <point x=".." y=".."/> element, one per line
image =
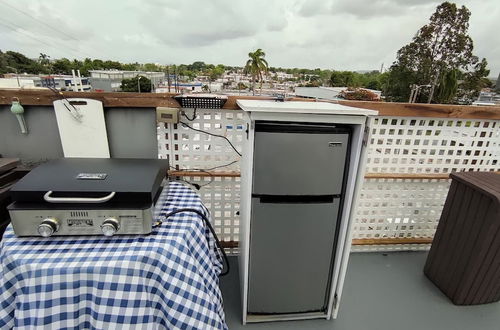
<point x="299" y="179"/>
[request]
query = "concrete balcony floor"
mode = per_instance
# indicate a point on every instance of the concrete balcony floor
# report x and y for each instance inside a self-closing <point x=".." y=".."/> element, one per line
<point x="382" y="292"/>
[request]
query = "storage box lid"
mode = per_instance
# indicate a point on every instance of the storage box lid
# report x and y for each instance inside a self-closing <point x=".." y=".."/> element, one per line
<point x="486" y="182"/>
<point x="130" y="179"/>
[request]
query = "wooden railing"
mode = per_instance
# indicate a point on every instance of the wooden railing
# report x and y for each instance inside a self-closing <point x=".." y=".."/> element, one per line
<point x="148" y="100"/>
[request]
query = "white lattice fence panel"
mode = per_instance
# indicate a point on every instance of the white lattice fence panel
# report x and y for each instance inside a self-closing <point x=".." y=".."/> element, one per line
<point x="399" y="208"/>
<point x="189" y="149"/>
<point x="433" y="145"/>
<point x="221" y="195"/>
<point x="390" y="208"/>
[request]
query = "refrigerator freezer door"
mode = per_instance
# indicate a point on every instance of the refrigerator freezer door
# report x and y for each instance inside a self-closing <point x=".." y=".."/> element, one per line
<point x="299" y="163"/>
<point x="290" y="256"/>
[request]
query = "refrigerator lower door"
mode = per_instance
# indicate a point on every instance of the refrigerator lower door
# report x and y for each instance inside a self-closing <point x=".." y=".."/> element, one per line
<point x="292" y="159"/>
<point x="291" y="252"/>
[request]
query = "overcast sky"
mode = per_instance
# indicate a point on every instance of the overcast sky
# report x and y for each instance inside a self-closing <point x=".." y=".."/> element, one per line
<point x="338" y="34"/>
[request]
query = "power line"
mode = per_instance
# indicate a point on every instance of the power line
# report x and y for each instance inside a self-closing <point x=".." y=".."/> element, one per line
<point x="26" y="34"/>
<point x="13" y="27"/>
<point x="39" y="21"/>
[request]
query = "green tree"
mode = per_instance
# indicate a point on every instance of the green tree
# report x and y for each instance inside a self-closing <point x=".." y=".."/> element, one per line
<point x="151" y="67"/>
<point x="44" y="61"/>
<point x="439" y="47"/>
<point x="132" y="84"/>
<point x="472" y="82"/>
<point x="216" y="72"/>
<point x="342" y="79"/>
<point x="62" y="66"/>
<point x="256" y="66"/>
<point x="13" y="60"/>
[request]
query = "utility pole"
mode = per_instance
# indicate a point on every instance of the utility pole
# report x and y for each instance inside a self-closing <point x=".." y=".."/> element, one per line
<point x="17" y="74"/>
<point x="168" y="78"/>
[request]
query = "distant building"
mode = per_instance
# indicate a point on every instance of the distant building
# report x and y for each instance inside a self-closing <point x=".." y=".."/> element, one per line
<point x="325" y="93"/>
<point x="194" y="87"/>
<point x="111" y="80"/>
<point x="65" y="82"/>
<point x="487" y="97"/>
<point x="18" y="81"/>
<point x="283" y="75"/>
<point x="60" y="82"/>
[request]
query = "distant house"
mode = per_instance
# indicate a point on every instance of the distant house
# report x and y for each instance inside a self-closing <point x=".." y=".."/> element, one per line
<point x="326" y="93"/>
<point x="64" y="82"/>
<point x="193" y="87"/>
<point x="18" y="81"/>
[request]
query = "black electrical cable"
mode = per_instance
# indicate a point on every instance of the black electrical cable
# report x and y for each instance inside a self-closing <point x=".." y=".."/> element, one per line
<point x="192" y="118"/>
<point x="216" y="135"/>
<point x="204" y="170"/>
<point x="207" y="223"/>
<point x="196" y="185"/>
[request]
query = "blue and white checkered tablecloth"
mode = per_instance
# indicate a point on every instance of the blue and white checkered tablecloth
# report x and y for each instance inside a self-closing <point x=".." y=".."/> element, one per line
<point x="168" y="279"/>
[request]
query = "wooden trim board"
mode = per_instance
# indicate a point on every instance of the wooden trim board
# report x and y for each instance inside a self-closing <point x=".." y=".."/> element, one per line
<point x="45" y="97"/>
<point x="362" y="241"/>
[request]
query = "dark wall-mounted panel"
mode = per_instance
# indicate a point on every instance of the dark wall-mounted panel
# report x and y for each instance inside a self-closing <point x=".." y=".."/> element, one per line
<point x="42" y="141"/>
<point x="131" y="134"/>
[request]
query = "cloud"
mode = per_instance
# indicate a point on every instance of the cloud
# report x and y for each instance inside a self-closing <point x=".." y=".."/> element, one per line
<point x="360" y="8"/>
<point x="314" y="7"/>
<point x="340" y="34"/>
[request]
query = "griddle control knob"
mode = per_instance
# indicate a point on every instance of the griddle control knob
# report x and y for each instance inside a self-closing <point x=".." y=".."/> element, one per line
<point x="48" y="227"/>
<point x="110" y="226"/>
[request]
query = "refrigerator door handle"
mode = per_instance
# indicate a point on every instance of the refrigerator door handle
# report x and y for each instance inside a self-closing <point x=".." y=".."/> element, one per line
<point x="295" y="199"/>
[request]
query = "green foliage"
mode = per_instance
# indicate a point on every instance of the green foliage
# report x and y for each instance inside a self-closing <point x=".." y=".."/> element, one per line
<point x="216" y="72"/>
<point x="399" y="80"/>
<point x="44" y="59"/>
<point x="448" y="86"/>
<point x="473" y="82"/>
<point x="372" y="80"/>
<point x="437" y="53"/>
<point x="62" y="66"/>
<point x="342" y="79"/>
<point x="13" y="61"/>
<point x="256" y="66"/>
<point x="131" y="84"/>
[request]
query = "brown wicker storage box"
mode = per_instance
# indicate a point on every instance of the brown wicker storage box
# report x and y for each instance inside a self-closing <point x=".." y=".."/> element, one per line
<point x="464" y="260"/>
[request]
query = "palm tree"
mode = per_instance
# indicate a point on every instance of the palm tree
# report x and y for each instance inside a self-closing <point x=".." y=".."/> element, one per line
<point x="44" y="59"/>
<point x="256" y="66"/>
